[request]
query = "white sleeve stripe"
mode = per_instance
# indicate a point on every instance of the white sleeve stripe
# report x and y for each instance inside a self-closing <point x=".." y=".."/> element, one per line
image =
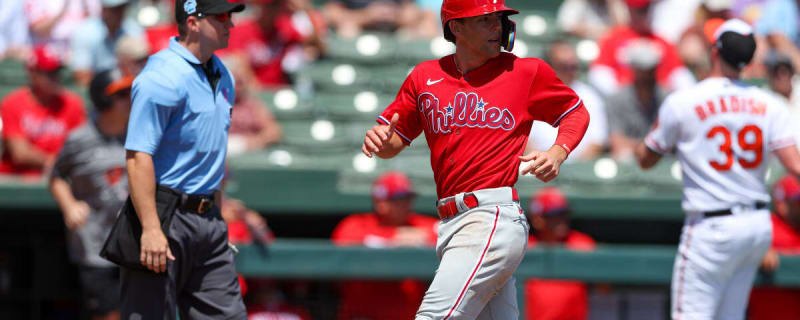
<point x="653" y="145"/>
<point x="383" y="120"/>
<point x="555" y="124"/>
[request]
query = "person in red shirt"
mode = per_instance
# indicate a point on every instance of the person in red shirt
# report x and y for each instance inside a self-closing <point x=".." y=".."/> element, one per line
<point x="266" y="301"/>
<point x="38" y="117"/>
<point x="611" y="70"/>
<point x="555" y="299"/>
<point x="771" y="302"/>
<point x="393" y="224"/>
<point x="476" y="108"/>
<point x="283" y="36"/>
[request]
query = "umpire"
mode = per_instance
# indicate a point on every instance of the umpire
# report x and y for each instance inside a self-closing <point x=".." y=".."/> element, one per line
<point x="177" y="135"/>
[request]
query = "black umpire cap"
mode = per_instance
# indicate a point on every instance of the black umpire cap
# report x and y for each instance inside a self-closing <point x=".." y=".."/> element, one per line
<point x="186" y="8"/>
<point x="735" y="41"/>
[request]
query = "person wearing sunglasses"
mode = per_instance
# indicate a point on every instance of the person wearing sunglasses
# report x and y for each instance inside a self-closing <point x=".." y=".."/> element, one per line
<point x="175" y="148"/>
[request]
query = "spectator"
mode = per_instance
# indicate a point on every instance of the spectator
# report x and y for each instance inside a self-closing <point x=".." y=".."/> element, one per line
<point x="14" y="35"/>
<point x="694" y="44"/>
<point x="561" y="56"/>
<point x="93" y="43"/>
<point x="748" y="10"/>
<point x="778" y="24"/>
<point x="53" y="22"/>
<point x="670" y="18"/>
<point x="555" y="299"/>
<point x="633" y="110"/>
<point x="37" y="118"/>
<point x="283" y="37"/>
<point x="771" y="302"/>
<point x="391" y="225"/>
<point x="266" y="301"/>
<point x="244" y="224"/>
<point x="350" y="17"/>
<point x="781" y="80"/>
<point x="89" y="184"/>
<point x="611" y="70"/>
<point x="253" y="127"/>
<point x="132" y="53"/>
<point x="591" y="18"/>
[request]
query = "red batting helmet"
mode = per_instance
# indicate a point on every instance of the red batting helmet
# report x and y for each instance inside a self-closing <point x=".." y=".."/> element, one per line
<point x="454" y="9"/>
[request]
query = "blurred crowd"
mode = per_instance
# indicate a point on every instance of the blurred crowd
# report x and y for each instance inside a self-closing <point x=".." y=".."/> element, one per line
<point x="647" y="48"/>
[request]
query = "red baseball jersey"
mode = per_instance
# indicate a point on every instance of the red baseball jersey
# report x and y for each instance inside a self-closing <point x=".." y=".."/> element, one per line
<point x="476" y="124"/>
<point x="44" y="127"/>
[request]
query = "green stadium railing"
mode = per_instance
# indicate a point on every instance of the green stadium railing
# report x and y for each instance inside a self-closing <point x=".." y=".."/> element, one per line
<point x="620" y="264"/>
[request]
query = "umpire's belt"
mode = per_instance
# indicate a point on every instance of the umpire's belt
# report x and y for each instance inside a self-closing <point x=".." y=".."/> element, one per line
<point x="452" y="206"/>
<point x="196" y="203"/>
<point x="726" y="212"/>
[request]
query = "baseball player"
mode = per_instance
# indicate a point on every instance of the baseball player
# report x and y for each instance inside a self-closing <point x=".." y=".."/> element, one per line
<point x="723" y="132"/>
<point x="476" y="108"/>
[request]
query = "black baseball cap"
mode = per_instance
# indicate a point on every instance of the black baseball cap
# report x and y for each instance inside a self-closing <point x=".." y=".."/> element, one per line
<point x="735" y="41"/>
<point x="106" y="83"/>
<point x="186" y="8"/>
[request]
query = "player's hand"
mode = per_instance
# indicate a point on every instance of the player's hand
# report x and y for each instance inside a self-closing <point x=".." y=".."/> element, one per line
<point x="155" y="250"/>
<point x="770" y="262"/>
<point x="379" y="136"/>
<point x="546" y="164"/>
<point x="76" y="215"/>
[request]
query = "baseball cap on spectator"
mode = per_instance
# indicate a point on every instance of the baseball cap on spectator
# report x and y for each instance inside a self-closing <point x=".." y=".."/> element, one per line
<point x="735" y="41"/>
<point x="548" y="201"/>
<point x="391" y="186"/>
<point x="105" y="84"/>
<point x="114" y="3"/>
<point x="186" y="8"/>
<point x="132" y="47"/>
<point x="44" y="58"/>
<point x="643" y="55"/>
<point x="636" y="4"/>
<point x="718" y="5"/>
<point x="787" y="188"/>
<point x="777" y="59"/>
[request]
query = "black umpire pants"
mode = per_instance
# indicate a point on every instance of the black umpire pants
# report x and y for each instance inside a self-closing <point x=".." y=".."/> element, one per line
<point x="201" y="282"/>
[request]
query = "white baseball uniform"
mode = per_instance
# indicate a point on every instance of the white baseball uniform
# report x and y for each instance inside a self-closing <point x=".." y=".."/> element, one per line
<point x="723" y="132"/>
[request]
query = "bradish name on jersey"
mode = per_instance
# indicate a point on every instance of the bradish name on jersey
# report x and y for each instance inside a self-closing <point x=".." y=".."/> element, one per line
<point x="730" y="104"/>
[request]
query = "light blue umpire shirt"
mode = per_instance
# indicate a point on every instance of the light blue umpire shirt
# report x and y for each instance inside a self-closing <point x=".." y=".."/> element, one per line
<point x="176" y="118"/>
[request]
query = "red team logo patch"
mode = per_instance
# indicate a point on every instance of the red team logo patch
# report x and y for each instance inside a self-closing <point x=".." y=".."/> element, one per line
<point x="466" y="110"/>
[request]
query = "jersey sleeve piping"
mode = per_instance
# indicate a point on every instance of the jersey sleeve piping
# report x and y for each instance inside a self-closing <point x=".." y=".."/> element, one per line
<point x="383" y="120"/>
<point x="578" y="104"/>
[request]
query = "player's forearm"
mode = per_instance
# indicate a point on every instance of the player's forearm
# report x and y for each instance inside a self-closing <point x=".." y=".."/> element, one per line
<point x="23" y="154"/>
<point x="572" y="129"/>
<point x="62" y="193"/>
<point x="142" y="183"/>
<point x="790" y="159"/>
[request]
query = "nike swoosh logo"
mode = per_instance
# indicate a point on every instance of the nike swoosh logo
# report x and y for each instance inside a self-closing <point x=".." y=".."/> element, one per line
<point x="430" y="83"/>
